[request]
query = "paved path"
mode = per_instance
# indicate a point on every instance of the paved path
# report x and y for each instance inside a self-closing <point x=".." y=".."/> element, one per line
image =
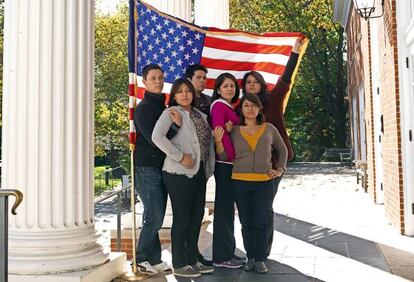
<point x="327" y="229"/>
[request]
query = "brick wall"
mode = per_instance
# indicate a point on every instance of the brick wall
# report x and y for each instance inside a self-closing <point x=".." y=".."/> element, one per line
<point x="126" y="240"/>
<point x="126" y="245"/>
<point x="369" y="110"/>
<point x="390" y="100"/>
<point x="359" y="60"/>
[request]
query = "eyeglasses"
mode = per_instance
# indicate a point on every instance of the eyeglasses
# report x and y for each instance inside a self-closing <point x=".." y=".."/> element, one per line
<point x="252" y="82"/>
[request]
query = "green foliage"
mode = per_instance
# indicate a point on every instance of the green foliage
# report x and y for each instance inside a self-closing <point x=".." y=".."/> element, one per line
<point x="111" y="85"/>
<point x="100" y="183"/>
<point x="317" y="113"/>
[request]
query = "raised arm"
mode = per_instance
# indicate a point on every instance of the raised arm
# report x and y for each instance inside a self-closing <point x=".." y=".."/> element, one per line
<point x="282" y="86"/>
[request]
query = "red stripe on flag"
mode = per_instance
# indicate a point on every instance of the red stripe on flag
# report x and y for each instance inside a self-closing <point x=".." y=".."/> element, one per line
<point x="141" y="92"/>
<point x="210" y="84"/>
<point x="132" y="137"/>
<point x="242" y="66"/>
<point x="131" y="89"/>
<point x="267" y="34"/>
<point x="232" y="45"/>
<point x="131" y="114"/>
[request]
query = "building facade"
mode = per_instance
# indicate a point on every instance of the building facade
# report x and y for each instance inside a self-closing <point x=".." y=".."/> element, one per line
<point x="380" y="94"/>
<point x="47" y="134"/>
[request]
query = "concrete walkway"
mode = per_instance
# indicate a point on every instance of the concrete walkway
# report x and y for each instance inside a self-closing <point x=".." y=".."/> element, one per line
<point x="327" y="229"/>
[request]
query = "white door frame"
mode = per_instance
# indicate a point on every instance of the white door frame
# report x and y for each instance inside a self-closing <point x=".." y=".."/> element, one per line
<point x="376" y="94"/>
<point x="405" y="39"/>
<point x="355" y="127"/>
<point x="361" y="125"/>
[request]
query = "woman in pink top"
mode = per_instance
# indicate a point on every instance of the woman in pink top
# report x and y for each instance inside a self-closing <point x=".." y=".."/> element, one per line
<point x="226" y="92"/>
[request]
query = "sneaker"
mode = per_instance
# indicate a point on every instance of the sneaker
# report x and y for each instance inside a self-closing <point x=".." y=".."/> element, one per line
<point x="186" y="271"/>
<point x="260" y="267"/>
<point x="163" y="268"/>
<point x="236" y="257"/>
<point x="146" y="267"/>
<point x="204" y="261"/>
<point x="249" y="266"/>
<point x="232" y="264"/>
<point x="203" y="269"/>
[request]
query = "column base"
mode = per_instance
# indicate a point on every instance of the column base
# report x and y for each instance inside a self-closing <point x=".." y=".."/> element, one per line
<point x="114" y="267"/>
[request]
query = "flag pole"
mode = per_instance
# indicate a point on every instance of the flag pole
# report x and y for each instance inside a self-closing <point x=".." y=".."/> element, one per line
<point x="135" y="274"/>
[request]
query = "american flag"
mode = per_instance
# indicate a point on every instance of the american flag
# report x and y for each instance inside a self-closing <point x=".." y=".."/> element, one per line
<point x="173" y="44"/>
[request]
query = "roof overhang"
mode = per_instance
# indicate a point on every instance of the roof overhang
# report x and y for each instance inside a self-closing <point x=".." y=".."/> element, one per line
<point x="341" y="11"/>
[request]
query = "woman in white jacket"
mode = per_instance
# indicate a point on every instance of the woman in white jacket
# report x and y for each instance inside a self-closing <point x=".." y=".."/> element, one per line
<point x="188" y="164"/>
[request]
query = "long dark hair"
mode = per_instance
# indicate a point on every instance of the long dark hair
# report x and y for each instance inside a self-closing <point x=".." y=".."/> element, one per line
<point x="219" y="81"/>
<point x="262" y="82"/>
<point x="174" y="88"/>
<point x="255" y="100"/>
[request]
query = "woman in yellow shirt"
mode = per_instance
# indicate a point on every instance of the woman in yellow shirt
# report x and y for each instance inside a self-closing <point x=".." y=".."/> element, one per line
<point x="254" y="141"/>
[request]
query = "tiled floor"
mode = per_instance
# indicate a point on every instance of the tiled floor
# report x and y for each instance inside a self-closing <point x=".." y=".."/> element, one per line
<point x="327" y="229"/>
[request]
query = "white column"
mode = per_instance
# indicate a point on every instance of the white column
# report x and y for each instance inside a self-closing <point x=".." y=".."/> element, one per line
<point x="48" y="125"/>
<point x="212" y="13"/>
<point x="177" y="8"/>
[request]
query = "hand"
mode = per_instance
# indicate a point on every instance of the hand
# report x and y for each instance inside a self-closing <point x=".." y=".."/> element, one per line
<point x="298" y="45"/>
<point x="229" y="126"/>
<point x="176" y="117"/>
<point x="218" y="134"/>
<point x="273" y="173"/>
<point x="187" y="161"/>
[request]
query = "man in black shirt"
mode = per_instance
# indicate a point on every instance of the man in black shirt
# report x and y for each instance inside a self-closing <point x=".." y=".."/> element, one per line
<point x="148" y="164"/>
<point x="197" y="74"/>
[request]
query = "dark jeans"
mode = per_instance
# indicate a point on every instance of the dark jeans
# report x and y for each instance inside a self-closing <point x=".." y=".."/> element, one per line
<point x="152" y="192"/>
<point x="224" y="243"/>
<point x="188" y="197"/>
<point x="271" y="230"/>
<point x="254" y="203"/>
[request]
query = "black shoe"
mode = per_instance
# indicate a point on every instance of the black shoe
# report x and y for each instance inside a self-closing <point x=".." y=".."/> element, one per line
<point x="236" y="257"/>
<point x="204" y="261"/>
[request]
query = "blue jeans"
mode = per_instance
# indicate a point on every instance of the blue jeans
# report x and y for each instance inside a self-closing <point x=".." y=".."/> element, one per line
<point x="153" y="195"/>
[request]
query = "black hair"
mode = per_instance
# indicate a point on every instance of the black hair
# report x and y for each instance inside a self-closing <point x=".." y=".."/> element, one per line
<point x="189" y="73"/>
<point x="255" y="100"/>
<point x="219" y="81"/>
<point x="148" y="68"/>
<point x="262" y="82"/>
<point x="174" y="88"/>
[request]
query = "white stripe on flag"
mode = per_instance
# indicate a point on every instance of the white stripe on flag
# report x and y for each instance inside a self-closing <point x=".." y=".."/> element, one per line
<point x="219" y="54"/>
<point x="268" y="77"/>
<point x="132" y="102"/>
<point x="288" y="41"/>
<point x="131" y="126"/>
<point x="131" y="78"/>
<point x="166" y="89"/>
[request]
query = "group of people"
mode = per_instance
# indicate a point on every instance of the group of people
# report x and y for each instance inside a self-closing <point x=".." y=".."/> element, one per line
<point x="243" y="142"/>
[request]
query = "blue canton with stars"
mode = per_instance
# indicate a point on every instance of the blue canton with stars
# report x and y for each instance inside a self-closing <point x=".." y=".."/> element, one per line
<point x="169" y="44"/>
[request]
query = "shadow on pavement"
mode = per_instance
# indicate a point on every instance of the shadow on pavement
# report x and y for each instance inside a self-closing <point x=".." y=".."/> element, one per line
<point x="362" y="250"/>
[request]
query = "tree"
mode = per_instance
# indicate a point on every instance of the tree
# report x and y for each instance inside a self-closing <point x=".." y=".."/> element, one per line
<point x="317" y="113"/>
<point x="111" y="85"/>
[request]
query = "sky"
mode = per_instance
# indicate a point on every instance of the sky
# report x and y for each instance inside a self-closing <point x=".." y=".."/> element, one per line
<point x="107" y="6"/>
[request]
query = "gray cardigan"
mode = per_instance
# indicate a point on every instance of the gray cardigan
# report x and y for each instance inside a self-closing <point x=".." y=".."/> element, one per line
<point x="185" y="141"/>
<point x="259" y="160"/>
